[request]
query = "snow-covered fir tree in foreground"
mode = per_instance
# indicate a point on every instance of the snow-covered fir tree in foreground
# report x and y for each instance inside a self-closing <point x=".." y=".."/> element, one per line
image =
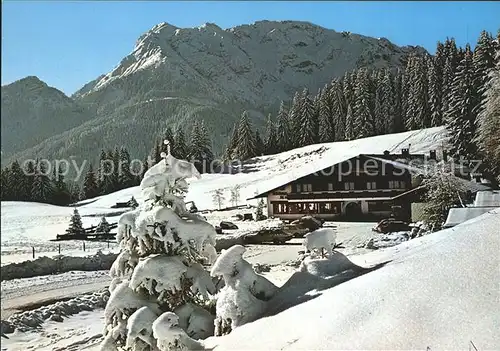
<point x="160" y="292"/>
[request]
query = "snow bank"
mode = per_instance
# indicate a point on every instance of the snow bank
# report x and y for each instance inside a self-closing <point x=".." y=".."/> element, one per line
<point x="387" y="240"/>
<point x="33" y="319"/>
<point x="59" y="264"/>
<point x="439" y="292"/>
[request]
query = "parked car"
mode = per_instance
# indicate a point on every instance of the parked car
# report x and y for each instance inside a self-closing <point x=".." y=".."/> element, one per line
<point x="390" y="225"/>
<point x="302" y="226"/>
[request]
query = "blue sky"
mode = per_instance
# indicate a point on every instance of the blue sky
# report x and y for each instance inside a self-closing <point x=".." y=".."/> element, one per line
<point x="67" y="44"/>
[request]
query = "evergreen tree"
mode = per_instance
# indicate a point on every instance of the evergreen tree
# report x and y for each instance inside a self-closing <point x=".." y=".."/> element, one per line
<point x="89" y="188"/>
<point x="75" y="226"/>
<point x="246" y="144"/>
<point x="308" y="123"/>
<point x="102" y="173"/>
<point x="418" y="113"/>
<point x="338" y="109"/>
<point x="435" y="93"/>
<point x="488" y="123"/>
<point x="180" y="148"/>
<point x="384" y="117"/>
<point x="460" y="117"/>
<point x="103" y="226"/>
<point x="259" y="212"/>
<point x="156" y="152"/>
<point x="5" y="188"/>
<point x="233" y="142"/>
<point x="398" y="108"/>
<point x="349" y="124"/>
<point x="125" y="177"/>
<point x="114" y="156"/>
<point x="43" y="190"/>
<point x="159" y="273"/>
<point x="17" y="183"/>
<point x="449" y="69"/>
<point x="61" y="194"/>
<point x="294" y="121"/>
<point x="483" y="61"/>
<point x="74" y="192"/>
<point x="326" y="133"/>
<point x="283" y="130"/>
<point x="29" y="172"/>
<point x="348" y="85"/>
<point x="443" y="192"/>
<point x="200" y="151"/>
<point x="270" y="147"/>
<point x="259" y="144"/>
<point x="132" y="203"/>
<point x="363" y="119"/>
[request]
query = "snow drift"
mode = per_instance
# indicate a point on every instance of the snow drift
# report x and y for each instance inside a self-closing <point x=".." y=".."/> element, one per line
<point x="440" y="291"/>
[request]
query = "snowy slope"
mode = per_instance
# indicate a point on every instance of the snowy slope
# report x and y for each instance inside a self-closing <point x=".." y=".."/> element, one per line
<point x="440" y="291"/>
<point x="26" y="224"/>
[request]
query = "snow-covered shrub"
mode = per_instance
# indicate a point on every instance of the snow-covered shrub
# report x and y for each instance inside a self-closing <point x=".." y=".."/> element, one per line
<point x="171" y="336"/>
<point x="159" y="271"/>
<point x="244" y="296"/>
<point x="320" y="240"/>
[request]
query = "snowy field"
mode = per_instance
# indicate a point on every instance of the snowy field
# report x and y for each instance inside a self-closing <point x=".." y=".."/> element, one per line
<point x="32" y="224"/>
<point x="438" y="291"/>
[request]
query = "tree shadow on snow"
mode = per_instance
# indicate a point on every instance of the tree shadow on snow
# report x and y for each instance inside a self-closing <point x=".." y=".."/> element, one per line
<point x="313" y="277"/>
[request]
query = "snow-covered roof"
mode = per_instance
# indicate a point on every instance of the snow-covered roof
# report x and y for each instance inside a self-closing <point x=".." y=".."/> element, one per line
<point x="462" y="214"/>
<point x="487" y="198"/>
<point x="414" y="169"/>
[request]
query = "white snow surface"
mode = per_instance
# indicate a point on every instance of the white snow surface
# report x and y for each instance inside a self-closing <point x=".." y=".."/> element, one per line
<point x="440" y="291"/>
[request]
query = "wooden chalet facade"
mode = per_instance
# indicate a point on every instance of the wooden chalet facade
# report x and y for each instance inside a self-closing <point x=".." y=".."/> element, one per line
<point x="364" y="187"/>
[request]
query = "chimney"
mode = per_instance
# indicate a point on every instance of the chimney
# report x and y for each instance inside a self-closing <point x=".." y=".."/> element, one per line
<point x="405" y="152"/>
<point x="387" y="153"/>
<point x="432" y="155"/>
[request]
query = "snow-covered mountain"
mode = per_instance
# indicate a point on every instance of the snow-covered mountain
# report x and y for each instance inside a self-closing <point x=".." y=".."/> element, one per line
<point x="32" y="111"/>
<point x="174" y="75"/>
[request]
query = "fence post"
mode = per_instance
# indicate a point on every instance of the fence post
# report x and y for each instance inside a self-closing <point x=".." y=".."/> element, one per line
<point x="59" y="249"/>
<point x="108" y="243"/>
<point x="33" y="248"/>
<point x="84" y="246"/>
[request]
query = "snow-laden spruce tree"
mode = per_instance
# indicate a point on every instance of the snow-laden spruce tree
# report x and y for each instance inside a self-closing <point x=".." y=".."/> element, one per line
<point x="160" y="292"/>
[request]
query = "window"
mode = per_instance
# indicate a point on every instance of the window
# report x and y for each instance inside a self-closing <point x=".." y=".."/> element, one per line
<point x="280" y="208"/>
<point x="306" y="187"/>
<point x="379" y="206"/>
<point x="397" y="184"/>
<point x="349" y="186"/>
<point x="330" y="186"/>
<point x="394" y="184"/>
<point x="298" y="188"/>
<point x="371" y="185"/>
